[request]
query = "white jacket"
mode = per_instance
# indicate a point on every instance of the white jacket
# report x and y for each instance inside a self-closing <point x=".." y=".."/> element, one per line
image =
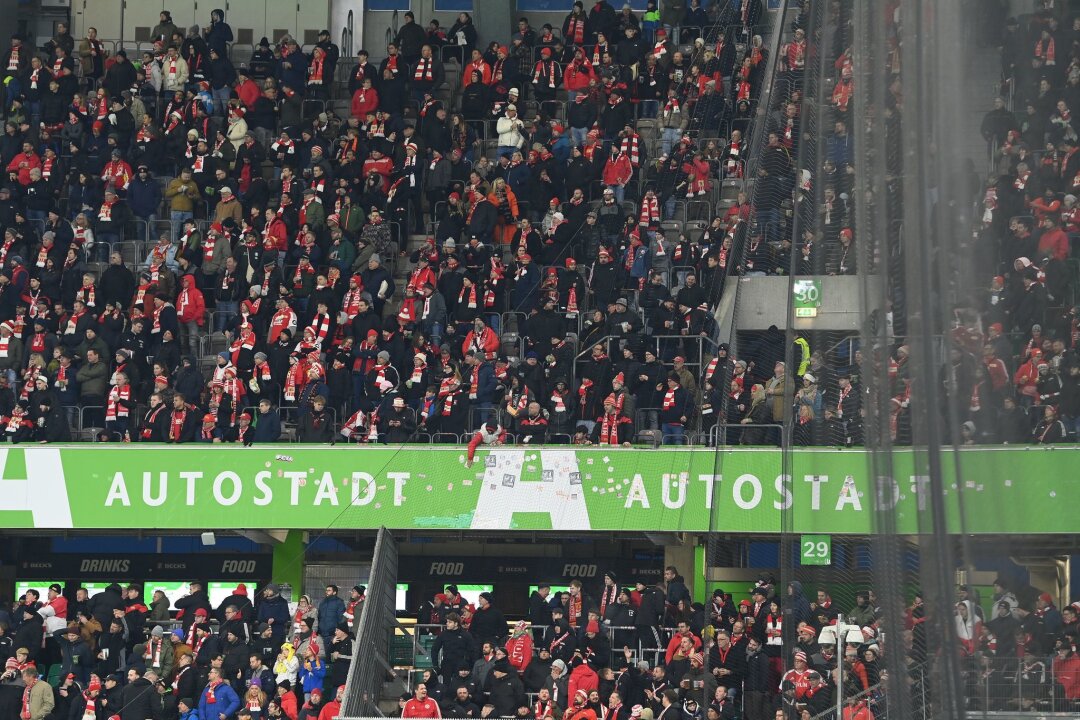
<point x="174" y="81"/>
<point x="510" y="132"/>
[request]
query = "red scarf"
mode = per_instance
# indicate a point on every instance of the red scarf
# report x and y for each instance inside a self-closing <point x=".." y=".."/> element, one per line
<point x="576" y="30"/>
<point x="350" y="304"/>
<point x="1045" y="50"/>
<point x="540" y="70"/>
<point x="583" y="393"/>
<point x="153" y="651"/>
<point x="298" y="276"/>
<point x="148" y="424"/>
<point x="669" y="399"/>
<point x="25" y="714"/>
<point x="574" y="608"/>
<point x="609" y="435"/>
<point x="472" y="297"/>
<point x="558" y="402"/>
<point x="315" y="72"/>
<point x="320" y="325"/>
<point x="650" y="212"/>
<point x="631" y="148"/>
<point x="610" y="594"/>
<point x="91" y="705"/>
<point x="114" y="410"/>
<point x="425" y="70"/>
<point x="176" y="423"/>
<point x="448" y="403"/>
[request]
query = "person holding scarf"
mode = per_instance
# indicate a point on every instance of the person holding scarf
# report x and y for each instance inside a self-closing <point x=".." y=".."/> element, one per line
<point x="37" y="696"/>
<point x="613" y="428"/>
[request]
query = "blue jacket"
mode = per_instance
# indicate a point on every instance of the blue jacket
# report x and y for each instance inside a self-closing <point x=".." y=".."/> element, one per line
<point x="144" y="197"/>
<point x="192" y="714"/>
<point x="267" y="427"/>
<point x="485" y="383"/>
<point x="331" y="610"/>
<point x="276" y="608"/>
<point x="312" y="678"/>
<point x="518" y="178"/>
<point x="637" y="266"/>
<point x="219" y="34"/>
<point x="226" y="702"/>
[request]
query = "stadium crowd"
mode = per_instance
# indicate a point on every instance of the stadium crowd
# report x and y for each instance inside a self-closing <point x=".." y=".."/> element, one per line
<point x="525" y="241"/>
<point x="119" y="654"/>
<point x="548" y="297"/>
<point x="1026" y="232"/>
<point x="629" y="651"/>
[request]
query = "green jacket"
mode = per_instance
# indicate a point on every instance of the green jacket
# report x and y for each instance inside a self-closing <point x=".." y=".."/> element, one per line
<point x="93" y="379"/>
<point x="342" y="255"/>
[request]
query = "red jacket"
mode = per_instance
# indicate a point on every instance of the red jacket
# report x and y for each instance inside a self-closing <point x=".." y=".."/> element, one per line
<point x="363" y="102"/>
<point x="489" y="342"/>
<point x="1067" y="673"/>
<point x="248" y="91"/>
<point x="618" y="171"/>
<point x="23" y="164"/>
<point x="288" y="705"/>
<point x="577" y="76"/>
<point x="674" y="643"/>
<point x="280" y="233"/>
<point x="384" y="166"/>
<point x="330" y="710"/>
<point x="426" y="708"/>
<point x="584" y="678"/>
<point x="190" y="305"/>
<point x="1054" y="243"/>
<point x="519" y="651"/>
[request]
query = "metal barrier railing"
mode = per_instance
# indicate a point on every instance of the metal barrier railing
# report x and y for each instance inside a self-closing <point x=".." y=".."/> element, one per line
<point x="371" y="649"/>
<point x="620" y="638"/>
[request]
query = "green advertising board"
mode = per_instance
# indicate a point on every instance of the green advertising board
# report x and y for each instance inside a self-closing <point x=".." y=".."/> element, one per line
<point x="815" y="550"/>
<point x="1011" y="490"/>
<point x="806" y="293"/>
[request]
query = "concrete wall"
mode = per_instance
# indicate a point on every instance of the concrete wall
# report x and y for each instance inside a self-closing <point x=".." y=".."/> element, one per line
<point x="764" y="301"/>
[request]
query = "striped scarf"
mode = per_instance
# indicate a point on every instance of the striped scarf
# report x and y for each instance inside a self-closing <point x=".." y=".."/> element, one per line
<point x="631" y="147"/>
<point x="650" y="211"/>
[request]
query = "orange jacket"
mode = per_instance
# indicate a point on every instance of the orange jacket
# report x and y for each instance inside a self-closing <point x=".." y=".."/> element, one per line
<point x="511" y="199"/>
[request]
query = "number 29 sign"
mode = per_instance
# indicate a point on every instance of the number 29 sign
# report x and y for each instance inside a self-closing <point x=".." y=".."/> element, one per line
<point x="815" y="550"/>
